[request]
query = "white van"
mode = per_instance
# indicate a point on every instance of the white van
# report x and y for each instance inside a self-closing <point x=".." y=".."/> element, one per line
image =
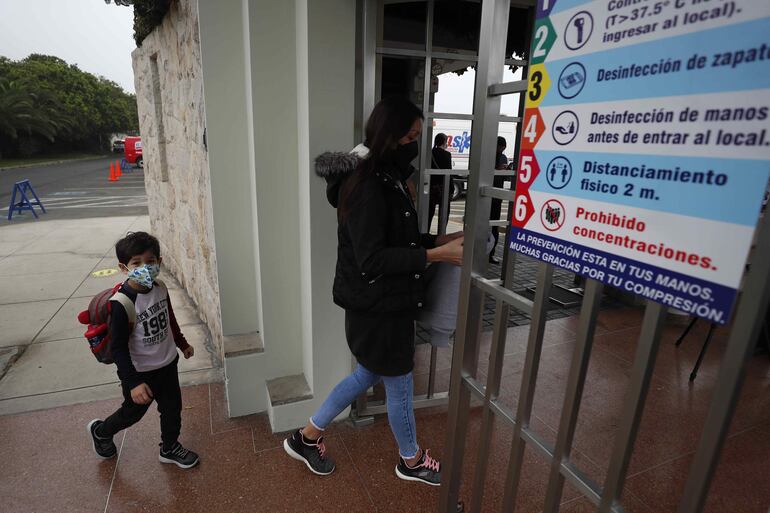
<point x="458" y="132"/>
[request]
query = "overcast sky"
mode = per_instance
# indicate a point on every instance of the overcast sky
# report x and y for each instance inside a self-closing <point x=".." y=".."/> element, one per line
<point x="95" y="36"/>
<point x="455" y="93"/>
<point x="99" y="39"/>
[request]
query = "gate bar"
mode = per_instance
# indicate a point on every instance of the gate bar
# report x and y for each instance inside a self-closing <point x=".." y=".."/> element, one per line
<point x="444" y="207"/>
<point x="486" y="111"/>
<point x="528" y="381"/>
<point x="432" y="371"/>
<point x="420" y="401"/>
<point x="492" y="391"/>
<point x="494" y="376"/>
<point x="518" y="86"/>
<point x="745" y="332"/>
<point x="465" y="172"/>
<point x="581" y="356"/>
<point x="494" y="289"/>
<point x="423" y="199"/>
<point x="633" y="403"/>
<point x="497" y="193"/>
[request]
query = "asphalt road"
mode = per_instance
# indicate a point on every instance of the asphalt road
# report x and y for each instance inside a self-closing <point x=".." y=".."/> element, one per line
<point x="75" y="190"/>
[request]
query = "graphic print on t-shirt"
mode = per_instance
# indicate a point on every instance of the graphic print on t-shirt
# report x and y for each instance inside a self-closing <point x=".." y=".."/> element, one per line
<point x="154" y="323"/>
<point x="151" y="343"/>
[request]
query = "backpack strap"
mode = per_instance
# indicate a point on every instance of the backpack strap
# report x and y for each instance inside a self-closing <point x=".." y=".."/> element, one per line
<point x="128" y="306"/>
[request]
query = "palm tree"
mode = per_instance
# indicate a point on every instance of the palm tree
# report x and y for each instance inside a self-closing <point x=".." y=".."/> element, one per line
<point x="19" y="112"/>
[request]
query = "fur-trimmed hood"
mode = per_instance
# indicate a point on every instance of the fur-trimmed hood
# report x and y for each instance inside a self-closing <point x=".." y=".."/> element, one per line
<point x="335" y="166"/>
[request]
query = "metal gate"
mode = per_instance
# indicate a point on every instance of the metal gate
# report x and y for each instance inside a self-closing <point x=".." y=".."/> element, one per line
<point x="474" y="287"/>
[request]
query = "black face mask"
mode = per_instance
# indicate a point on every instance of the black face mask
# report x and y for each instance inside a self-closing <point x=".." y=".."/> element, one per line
<point x="404" y="154"/>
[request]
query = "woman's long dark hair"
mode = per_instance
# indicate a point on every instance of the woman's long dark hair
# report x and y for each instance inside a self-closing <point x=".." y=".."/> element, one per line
<point x="391" y="119"/>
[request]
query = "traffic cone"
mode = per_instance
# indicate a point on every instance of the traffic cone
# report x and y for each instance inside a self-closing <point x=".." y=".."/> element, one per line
<point x="113" y="176"/>
<point x="118" y="172"/>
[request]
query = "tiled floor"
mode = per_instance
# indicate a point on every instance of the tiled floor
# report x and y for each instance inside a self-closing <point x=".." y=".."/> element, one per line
<point x="47" y="464"/>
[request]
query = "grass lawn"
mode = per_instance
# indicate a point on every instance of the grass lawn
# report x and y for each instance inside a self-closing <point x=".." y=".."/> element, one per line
<point x="6" y="163"/>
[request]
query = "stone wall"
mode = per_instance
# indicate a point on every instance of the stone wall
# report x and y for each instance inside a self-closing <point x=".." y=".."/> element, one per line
<point x="176" y="163"/>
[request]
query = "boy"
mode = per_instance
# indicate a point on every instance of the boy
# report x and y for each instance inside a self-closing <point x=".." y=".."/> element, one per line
<point x="145" y="354"/>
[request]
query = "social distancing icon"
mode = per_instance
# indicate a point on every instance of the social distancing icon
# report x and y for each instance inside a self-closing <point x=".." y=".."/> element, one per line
<point x="559" y="173"/>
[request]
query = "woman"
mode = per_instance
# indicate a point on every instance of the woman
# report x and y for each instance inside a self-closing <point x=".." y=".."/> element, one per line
<point x="381" y="258"/>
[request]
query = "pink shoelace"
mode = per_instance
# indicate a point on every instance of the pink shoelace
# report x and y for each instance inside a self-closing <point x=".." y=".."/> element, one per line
<point x="430" y="463"/>
<point x="321" y="448"/>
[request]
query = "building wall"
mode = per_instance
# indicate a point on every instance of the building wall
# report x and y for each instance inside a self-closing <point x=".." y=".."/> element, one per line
<point x="245" y="224"/>
<point x="178" y="188"/>
<point x="225" y="60"/>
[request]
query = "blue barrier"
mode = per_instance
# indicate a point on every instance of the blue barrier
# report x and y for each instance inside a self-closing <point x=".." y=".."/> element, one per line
<point x="22" y="188"/>
<point x="125" y="166"/>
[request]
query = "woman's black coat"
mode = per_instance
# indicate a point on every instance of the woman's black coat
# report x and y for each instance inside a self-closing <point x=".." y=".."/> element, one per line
<point x="381" y="260"/>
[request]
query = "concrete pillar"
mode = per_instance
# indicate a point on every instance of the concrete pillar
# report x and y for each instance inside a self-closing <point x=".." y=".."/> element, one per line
<point x="225" y="54"/>
<point x="279" y="81"/>
<point x="274" y="99"/>
<point x="326" y="32"/>
<point x="322" y="83"/>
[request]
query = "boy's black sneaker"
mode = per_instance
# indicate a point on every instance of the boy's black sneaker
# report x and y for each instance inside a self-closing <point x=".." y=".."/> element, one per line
<point x="427" y="470"/>
<point x="103" y="447"/>
<point x="179" y="456"/>
<point x="312" y="454"/>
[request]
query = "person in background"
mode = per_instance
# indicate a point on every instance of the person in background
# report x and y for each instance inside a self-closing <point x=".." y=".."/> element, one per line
<point x="441" y="159"/>
<point x="501" y="163"/>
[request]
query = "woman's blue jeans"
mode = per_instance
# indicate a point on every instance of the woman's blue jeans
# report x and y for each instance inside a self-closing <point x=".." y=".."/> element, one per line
<point x="399" y="391"/>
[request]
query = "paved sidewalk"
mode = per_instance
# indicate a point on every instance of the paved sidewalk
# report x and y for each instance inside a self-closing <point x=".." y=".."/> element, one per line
<point x="46" y="274"/>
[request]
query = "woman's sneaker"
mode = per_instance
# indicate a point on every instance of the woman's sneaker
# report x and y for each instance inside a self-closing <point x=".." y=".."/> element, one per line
<point x="179" y="456"/>
<point x="426" y="470"/>
<point x="103" y="447"/>
<point x="312" y="454"/>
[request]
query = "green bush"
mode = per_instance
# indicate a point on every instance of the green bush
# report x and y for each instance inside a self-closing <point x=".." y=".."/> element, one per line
<point x="47" y="105"/>
<point x="148" y="14"/>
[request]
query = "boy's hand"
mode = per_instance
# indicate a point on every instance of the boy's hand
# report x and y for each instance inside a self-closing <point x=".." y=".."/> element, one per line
<point x="141" y="394"/>
<point x="189" y="352"/>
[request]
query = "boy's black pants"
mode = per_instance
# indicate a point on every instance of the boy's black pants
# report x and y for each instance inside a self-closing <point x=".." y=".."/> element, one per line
<point x="164" y="384"/>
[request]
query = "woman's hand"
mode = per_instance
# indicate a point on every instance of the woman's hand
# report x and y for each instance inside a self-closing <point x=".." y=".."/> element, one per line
<point x="451" y="252"/>
<point x="444" y="239"/>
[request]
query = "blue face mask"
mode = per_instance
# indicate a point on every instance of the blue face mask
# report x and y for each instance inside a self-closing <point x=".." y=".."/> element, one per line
<point x="144" y="275"/>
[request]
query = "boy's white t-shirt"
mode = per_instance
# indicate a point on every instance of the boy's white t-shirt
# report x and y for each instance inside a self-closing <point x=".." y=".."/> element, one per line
<point x="151" y="343"/>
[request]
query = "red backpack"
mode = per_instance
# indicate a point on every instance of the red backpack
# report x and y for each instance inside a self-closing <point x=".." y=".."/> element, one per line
<point x="97" y="317"/>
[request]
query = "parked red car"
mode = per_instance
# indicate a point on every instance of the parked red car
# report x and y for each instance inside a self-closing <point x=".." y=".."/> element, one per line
<point x="133" y="150"/>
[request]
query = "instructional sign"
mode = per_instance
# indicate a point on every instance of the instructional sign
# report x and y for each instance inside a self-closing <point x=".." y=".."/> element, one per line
<point x="645" y="151"/>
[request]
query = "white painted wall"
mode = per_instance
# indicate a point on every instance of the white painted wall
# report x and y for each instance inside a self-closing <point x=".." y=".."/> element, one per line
<point x="227" y="93"/>
<point x="274" y="99"/>
<point x="232" y="191"/>
<point x="279" y="83"/>
<point x="328" y="74"/>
